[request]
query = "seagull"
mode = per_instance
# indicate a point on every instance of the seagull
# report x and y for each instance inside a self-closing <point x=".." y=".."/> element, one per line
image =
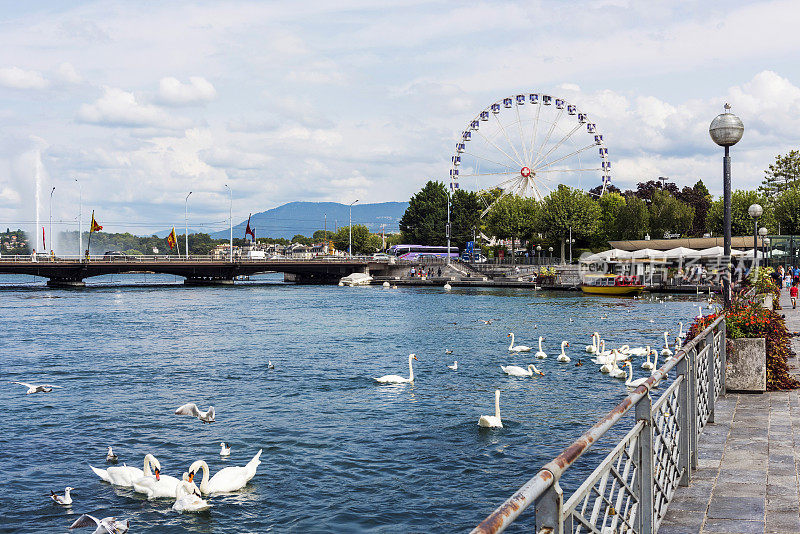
<point x="454" y="367"/>
<point x="111" y="457"/>
<point x="448" y="351"/>
<point x="270" y="365"/>
<point x="487" y="321"/>
<point x="225" y="450"/>
<point x="66" y="500"/>
<point x="107" y="525"/>
<point x="40" y="388"/>
<point x="191" y="409"/>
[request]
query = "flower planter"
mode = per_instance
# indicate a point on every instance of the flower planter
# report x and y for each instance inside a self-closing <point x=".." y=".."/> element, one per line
<point x="747" y="365"/>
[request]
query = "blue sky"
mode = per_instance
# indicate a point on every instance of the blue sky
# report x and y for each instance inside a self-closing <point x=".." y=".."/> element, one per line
<point x="143" y="102"/>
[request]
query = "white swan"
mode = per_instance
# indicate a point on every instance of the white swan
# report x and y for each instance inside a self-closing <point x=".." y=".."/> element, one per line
<point x="648" y="364"/>
<point x="639" y="351"/>
<point x="514" y="370"/>
<point x="517" y="348"/>
<point x="609" y="363"/>
<point x="227" y="479"/>
<point x="397" y="379"/>
<point x="66" y="500"/>
<point x="601" y="349"/>
<point x="563" y="356"/>
<point x="156" y="485"/>
<point x="447" y="286"/>
<point x="125" y="475"/>
<point x="540" y="353"/>
<point x="192" y="409"/>
<point x="630" y="382"/>
<point x="454" y="367"/>
<point x="591" y="349"/>
<point x="37" y="388"/>
<point x="665" y="351"/>
<point x="616" y="372"/>
<point x="188" y="498"/>
<point x="681" y="333"/>
<point x="492" y="421"/>
<point x="107" y="525"/>
<point x="224" y="450"/>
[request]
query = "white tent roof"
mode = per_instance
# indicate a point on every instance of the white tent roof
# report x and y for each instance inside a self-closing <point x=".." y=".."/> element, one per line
<point x="679" y="252"/>
<point x="647" y="253"/>
<point x="607" y="255"/>
<point x="749" y="254"/>
<point x="714" y="252"/>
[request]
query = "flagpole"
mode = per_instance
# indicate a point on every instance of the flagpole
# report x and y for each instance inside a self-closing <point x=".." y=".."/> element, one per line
<point x="89" y="243"/>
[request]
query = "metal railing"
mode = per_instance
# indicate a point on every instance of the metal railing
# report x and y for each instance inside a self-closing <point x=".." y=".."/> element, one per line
<point x="630" y="491"/>
<point x="43" y="258"/>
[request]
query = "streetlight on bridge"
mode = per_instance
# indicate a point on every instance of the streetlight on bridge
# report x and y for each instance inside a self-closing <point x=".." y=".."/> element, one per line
<point x="51" y="218"/>
<point x="755" y="211"/>
<point x="726" y="130"/>
<point x="230" y="217"/>
<point x="186" y="223"/>
<point x="350" y="245"/>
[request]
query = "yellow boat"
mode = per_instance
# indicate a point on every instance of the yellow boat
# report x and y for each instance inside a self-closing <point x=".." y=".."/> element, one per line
<point x="610" y="284"/>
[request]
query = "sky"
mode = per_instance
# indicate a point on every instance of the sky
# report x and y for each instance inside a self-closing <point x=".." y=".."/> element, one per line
<point x="128" y="106"/>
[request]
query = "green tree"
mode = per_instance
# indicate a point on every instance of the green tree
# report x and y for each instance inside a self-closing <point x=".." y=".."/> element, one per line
<point x="669" y="215"/>
<point x="512" y="217"/>
<point x="465" y="217"/>
<point x="361" y="239"/>
<point x="424" y="221"/>
<point x="611" y="206"/>
<point x="322" y="235"/>
<point x="781" y="175"/>
<point x="741" y="222"/>
<point x="700" y="199"/>
<point x="787" y="211"/>
<point x="567" y="208"/>
<point x="633" y="221"/>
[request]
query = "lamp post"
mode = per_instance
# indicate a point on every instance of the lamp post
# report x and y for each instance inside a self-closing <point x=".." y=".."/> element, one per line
<point x="766" y="249"/>
<point x="726" y="130"/>
<point x="51" y="218"/>
<point x="538" y="254"/>
<point x="763" y="233"/>
<point x="350" y="245"/>
<point x="755" y="211"/>
<point x="186" y="223"/>
<point x="448" y="225"/>
<point x="230" y="218"/>
<point x="550" y="250"/>
<point x="80" y="220"/>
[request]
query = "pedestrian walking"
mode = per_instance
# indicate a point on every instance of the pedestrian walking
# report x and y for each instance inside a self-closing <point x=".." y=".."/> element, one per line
<point x="793" y="294"/>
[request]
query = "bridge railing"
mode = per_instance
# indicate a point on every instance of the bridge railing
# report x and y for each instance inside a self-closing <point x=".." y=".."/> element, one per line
<point x="159" y="258"/>
<point x="632" y="487"/>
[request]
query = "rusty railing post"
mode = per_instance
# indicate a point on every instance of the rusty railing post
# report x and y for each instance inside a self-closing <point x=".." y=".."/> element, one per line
<point x="644" y="475"/>
<point x="712" y="379"/>
<point x="723" y="356"/>
<point x="549" y="509"/>
<point x="692" y="407"/>
<point x="684" y="411"/>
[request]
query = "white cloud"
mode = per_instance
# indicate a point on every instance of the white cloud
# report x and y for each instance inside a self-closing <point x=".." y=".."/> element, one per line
<point x="67" y="73"/>
<point x="17" y="78"/>
<point x="225" y="157"/>
<point x="173" y="92"/>
<point x="120" y="108"/>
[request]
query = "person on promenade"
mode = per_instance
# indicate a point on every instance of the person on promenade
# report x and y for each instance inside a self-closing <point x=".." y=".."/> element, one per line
<point x="793" y="295"/>
<point x="796" y="274"/>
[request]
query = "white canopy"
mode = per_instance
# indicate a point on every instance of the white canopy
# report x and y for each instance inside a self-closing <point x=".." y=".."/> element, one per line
<point x="647" y="253"/>
<point x="608" y="255"/>
<point x="749" y="254"/>
<point x="714" y="252"/>
<point x="679" y="252"/>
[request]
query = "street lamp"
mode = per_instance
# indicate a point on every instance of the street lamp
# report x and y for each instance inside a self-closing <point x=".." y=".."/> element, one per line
<point x="186" y="222"/>
<point x="350" y="245"/>
<point x="755" y="211"/>
<point x="51" y="217"/>
<point x="726" y="130"/>
<point x="80" y="220"/>
<point x="550" y="250"/>
<point x="663" y="180"/>
<point x="538" y="254"/>
<point x="766" y="248"/>
<point x="230" y="217"/>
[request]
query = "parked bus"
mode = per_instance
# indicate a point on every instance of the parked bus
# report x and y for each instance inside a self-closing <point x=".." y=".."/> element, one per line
<point x="413" y="252"/>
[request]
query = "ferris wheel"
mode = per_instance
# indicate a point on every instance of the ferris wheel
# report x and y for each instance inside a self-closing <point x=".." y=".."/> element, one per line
<point x="527" y="145"/>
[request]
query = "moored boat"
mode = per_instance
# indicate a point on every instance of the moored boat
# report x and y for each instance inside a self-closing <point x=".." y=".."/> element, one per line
<point x="610" y="284"/>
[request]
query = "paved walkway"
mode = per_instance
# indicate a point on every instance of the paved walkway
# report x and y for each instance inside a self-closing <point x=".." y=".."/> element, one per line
<point x="749" y="464"/>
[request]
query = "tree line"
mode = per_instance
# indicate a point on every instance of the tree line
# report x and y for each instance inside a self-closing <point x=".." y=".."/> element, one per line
<point x="655" y="209"/>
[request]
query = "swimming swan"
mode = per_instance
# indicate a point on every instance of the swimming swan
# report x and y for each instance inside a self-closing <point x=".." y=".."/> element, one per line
<point x="516" y="348"/>
<point x="492" y="421"/>
<point x="591" y="349"/>
<point x="514" y="370"/>
<point x="648" y="364"/>
<point x="563" y="356"/>
<point x="188" y="498"/>
<point x="156" y="485"/>
<point x="540" y="353"/>
<point x="629" y="381"/>
<point x="125" y="475"/>
<point x="397" y="379"/>
<point x="227" y="479"/>
<point x="665" y="351"/>
<point x="454" y="367"/>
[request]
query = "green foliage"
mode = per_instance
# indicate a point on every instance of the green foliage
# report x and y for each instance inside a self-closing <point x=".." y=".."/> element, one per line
<point x="512" y="217"/>
<point x="787" y="211"/>
<point x="322" y="235"/>
<point x="362" y="242"/>
<point x="633" y="221"/>
<point x="699" y="199"/>
<point x="425" y="219"/>
<point x="741" y="222"/>
<point x="669" y="215"/>
<point x="567" y="208"/>
<point x="611" y="207"/>
<point x="781" y="175"/>
<point x="15" y="242"/>
<point x="465" y="214"/>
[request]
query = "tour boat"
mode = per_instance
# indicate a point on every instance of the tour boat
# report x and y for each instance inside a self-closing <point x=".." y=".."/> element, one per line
<point x="356" y="279"/>
<point x="610" y="284"/>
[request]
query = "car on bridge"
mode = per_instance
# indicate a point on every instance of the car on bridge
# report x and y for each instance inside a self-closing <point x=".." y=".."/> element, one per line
<point x="115" y="255"/>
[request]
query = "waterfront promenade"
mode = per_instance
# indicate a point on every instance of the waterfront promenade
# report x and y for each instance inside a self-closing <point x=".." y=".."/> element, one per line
<point x="749" y="463"/>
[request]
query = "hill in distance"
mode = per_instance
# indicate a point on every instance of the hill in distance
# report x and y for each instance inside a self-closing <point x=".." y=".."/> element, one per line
<point x="305" y="218"/>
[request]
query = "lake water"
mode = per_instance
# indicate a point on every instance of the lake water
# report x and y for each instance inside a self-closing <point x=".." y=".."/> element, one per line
<point x="341" y="453"/>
